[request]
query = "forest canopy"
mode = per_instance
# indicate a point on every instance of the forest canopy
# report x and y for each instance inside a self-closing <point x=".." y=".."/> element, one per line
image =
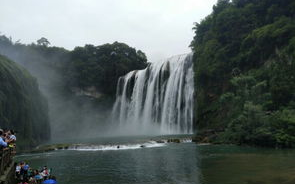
<point x="88" y="66"/>
<point x="245" y="72"/>
<point x="101" y="66"/>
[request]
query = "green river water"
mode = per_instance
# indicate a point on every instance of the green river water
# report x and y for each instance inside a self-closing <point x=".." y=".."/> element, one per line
<point x="138" y="161"/>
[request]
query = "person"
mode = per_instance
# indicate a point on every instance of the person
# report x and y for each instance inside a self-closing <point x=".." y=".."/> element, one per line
<point x="21" y="173"/>
<point x="38" y="177"/>
<point x="3" y="142"/>
<point x="45" y="173"/>
<point x="32" y="180"/>
<point x="26" y="168"/>
<point x="17" y="171"/>
<point x="12" y="136"/>
<point x="49" y="172"/>
<point x="30" y="173"/>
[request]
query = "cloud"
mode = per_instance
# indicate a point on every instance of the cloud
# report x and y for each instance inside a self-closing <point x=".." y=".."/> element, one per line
<point x="160" y="28"/>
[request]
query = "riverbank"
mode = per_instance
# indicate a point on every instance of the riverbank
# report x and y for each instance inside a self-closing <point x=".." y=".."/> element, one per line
<point x="219" y="136"/>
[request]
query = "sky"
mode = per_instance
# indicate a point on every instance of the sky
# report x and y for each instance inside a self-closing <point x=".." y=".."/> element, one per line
<point x="160" y="28"/>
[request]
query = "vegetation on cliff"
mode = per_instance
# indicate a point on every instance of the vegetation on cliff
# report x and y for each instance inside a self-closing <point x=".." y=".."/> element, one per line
<point x="22" y="106"/>
<point x="245" y="72"/>
<point x="101" y="66"/>
<point x="88" y="66"/>
<point x="80" y="85"/>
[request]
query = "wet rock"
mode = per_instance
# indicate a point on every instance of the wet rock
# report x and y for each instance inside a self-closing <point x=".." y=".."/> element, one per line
<point x="174" y="141"/>
<point x="47" y="148"/>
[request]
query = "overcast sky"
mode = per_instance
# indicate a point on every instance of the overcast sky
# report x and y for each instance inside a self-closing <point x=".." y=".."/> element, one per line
<point x="160" y="28"/>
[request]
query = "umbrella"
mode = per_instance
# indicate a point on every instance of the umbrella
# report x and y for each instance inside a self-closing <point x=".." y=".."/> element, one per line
<point x="50" y="181"/>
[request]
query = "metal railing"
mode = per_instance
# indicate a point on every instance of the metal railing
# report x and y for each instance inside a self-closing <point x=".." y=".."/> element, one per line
<point x="6" y="158"/>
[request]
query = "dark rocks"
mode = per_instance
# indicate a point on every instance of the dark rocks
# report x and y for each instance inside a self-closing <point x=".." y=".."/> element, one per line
<point x="173" y="141"/>
<point x="47" y="148"/>
<point x="208" y="136"/>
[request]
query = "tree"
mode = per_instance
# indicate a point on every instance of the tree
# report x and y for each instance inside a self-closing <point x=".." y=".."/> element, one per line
<point x="43" y="41"/>
<point x="101" y="66"/>
<point x="244" y="70"/>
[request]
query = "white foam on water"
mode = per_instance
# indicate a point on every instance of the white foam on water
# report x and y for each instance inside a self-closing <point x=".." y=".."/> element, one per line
<point x="186" y="140"/>
<point x="151" y="144"/>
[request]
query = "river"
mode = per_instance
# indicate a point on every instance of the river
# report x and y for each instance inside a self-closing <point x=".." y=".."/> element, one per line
<point x="139" y="160"/>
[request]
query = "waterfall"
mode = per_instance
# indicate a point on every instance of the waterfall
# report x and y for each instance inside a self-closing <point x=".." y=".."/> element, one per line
<point x="158" y="99"/>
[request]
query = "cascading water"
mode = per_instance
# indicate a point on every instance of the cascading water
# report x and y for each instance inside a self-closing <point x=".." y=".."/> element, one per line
<point x="158" y="99"/>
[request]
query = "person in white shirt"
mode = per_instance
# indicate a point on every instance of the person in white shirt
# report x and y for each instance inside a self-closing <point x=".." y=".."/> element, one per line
<point x="17" y="171"/>
<point x="12" y="136"/>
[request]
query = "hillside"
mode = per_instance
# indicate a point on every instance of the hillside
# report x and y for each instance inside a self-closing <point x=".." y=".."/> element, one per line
<point x="245" y="73"/>
<point x="80" y="85"/>
<point x="22" y="106"/>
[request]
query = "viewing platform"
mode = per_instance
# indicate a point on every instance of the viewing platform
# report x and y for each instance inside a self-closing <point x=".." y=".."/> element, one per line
<point x="7" y="166"/>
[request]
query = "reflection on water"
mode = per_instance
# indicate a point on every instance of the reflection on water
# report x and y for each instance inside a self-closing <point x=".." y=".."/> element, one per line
<point x="246" y="165"/>
<point x="184" y="163"/>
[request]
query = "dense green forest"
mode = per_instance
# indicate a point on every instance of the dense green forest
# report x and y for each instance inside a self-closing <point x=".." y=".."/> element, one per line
<point x="98" y="66"/>
<point x="244" y="55"/>
<point x="80" y="85"/>
<point x="22" y="106"/>
<point x="101" y="66"/>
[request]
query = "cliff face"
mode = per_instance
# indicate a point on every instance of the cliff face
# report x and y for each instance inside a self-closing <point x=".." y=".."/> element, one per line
<point x="244" y="72"/>
<point x="22" y="106"/>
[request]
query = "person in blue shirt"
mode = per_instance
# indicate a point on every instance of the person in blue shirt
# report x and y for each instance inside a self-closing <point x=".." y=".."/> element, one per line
<point x="26" y="168"/>
<point x="2" y="142"/>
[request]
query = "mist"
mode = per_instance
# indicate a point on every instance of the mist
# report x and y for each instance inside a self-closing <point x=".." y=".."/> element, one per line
<point x="72" y="115"/>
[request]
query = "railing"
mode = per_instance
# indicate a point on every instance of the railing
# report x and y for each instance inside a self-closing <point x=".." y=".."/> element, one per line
<point x="6" y="157"/>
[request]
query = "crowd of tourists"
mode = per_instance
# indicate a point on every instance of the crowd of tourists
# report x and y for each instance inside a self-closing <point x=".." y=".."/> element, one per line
<point x="26" y="175"/>
<point x="7" y="138"/>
